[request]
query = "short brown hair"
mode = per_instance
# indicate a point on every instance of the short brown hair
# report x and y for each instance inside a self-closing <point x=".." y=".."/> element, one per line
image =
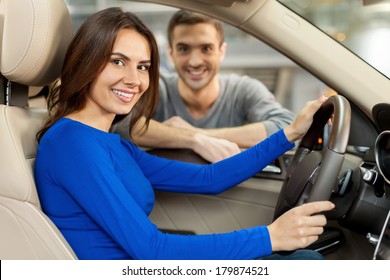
<point x="191" y="18"/>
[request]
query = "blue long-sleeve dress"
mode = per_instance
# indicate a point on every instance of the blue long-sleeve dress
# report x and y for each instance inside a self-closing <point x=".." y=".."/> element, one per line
<point x="99" y="190"/>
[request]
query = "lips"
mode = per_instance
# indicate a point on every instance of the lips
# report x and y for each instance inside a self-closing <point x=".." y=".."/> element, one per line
<point x="123" y="95"/>
<point x="196" y="74"/>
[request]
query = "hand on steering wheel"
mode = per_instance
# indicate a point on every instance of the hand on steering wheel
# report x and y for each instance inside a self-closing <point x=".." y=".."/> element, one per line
<point x="312" y="175"/>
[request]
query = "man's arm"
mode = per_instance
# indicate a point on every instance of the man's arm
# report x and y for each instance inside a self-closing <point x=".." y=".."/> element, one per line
<point x="244" y="136"/>
<point x="160" y="135"/>
<point x="256" y="108"/>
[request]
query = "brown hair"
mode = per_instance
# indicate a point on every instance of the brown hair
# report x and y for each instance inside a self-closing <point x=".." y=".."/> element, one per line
<point x="191" y="18"/>
<point x="87" y="55"/>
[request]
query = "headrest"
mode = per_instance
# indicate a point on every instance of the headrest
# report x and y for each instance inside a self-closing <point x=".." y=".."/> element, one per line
<point x="36" y="34"/>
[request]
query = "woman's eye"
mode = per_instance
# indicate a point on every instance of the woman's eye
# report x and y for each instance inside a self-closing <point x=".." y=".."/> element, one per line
<point x="144" y="67"/>
<point x="118" y="62"/>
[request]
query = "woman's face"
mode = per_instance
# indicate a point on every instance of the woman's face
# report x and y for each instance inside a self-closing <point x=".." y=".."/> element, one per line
<point x="124" y="79"/>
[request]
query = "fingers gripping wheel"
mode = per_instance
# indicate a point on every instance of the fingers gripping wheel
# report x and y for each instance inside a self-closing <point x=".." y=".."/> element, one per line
<point x="312" y="175"/>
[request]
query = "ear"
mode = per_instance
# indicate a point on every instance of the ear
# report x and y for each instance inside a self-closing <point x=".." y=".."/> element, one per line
<point x="222" y="49"/>
<point x="170" y="52"/>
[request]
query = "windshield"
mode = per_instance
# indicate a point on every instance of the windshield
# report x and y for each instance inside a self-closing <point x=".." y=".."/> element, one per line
<point x="363" y="26"/>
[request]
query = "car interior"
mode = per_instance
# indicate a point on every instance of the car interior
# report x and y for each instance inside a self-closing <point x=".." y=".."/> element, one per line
<point x="30" y="58"/>
<point x="350" y="167"/>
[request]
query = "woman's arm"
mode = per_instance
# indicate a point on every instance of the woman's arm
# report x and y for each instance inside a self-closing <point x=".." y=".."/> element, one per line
<point x="86" y="170"/>
<point x="214" y="178"/>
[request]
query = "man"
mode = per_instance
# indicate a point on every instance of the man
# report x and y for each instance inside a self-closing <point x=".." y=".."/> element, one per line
<point x="213" y="114"/>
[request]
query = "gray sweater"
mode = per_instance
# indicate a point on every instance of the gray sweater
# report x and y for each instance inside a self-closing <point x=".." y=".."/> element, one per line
<point x="242" y="100"/>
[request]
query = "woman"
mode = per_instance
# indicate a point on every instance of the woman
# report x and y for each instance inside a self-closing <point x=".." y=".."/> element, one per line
<point x="98" y="188"/>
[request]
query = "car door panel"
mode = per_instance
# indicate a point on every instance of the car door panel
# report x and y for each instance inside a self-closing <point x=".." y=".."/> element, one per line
<point x="249" y="204"/>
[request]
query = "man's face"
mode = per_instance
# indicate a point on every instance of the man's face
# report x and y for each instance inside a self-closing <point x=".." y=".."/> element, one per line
<point x="196" y="53"/>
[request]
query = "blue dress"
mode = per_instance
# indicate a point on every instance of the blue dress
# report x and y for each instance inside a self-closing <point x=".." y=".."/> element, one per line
<point x="98" y="189"/>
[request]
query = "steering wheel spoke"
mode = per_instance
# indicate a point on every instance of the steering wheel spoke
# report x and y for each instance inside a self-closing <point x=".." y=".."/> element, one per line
<point x="313" y="175"/>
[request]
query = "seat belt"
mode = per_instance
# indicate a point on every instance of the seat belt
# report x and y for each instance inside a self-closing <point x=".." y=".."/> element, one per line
<point x="16" y="94"/>
<point x="3" y="82"/>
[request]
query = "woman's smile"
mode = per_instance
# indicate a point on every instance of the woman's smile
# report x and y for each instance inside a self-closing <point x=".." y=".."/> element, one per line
<point x="124" y="96"/>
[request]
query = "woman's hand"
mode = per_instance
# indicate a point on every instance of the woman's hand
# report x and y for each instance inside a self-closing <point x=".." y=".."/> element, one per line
<point x="303" y="121"/>
<point x="299" y="227"/>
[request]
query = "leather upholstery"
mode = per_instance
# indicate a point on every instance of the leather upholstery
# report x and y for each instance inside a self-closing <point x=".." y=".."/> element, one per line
<point x="35" y="37"/>
<point x="35" y="34"/>
<point x="26" y="232"/>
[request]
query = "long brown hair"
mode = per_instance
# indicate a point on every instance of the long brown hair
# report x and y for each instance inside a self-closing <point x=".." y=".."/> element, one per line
<point x="87" y="55"/>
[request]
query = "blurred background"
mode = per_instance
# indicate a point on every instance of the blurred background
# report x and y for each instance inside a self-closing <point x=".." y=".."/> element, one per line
<point x="361" y="25"/>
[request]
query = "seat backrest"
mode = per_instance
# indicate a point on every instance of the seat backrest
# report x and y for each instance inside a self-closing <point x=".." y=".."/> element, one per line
<point x="35" y="35"/>
<point x="26" y="232"/>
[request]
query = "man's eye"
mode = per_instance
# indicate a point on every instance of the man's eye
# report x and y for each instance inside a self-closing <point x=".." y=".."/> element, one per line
<point x="207" y="49"/>
<point x="182" y="49"/>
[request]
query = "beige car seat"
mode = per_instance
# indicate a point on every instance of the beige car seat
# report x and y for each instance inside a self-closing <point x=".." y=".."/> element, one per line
<point x="35" y="35"/>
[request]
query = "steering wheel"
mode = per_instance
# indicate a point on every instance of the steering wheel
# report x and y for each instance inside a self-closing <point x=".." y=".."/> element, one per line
<point x="313" y="175"/>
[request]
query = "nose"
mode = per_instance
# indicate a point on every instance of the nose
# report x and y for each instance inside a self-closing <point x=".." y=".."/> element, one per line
<point x="195" y="58"/>
<point x="132" y="77"/>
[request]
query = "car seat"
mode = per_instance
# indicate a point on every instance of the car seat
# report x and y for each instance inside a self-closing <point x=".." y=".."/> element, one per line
<point x="34" y="37"/>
